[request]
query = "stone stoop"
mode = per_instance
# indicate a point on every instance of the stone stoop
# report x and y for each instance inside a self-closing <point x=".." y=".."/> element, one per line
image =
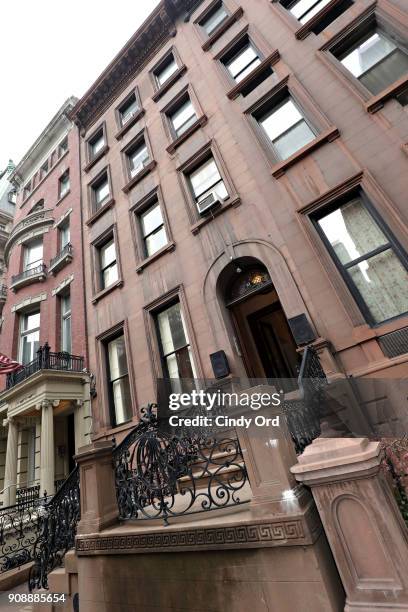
<point x="62" y="580"/>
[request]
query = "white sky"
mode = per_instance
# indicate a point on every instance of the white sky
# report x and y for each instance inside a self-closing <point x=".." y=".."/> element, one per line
<point x="51" y="50"/>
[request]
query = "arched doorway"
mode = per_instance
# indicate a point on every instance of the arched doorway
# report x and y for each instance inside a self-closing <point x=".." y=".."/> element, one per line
<point x="267" y="345"/>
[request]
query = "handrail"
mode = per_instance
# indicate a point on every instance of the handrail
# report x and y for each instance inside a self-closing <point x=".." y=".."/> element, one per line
<point x="67" y="250"/>
<point x="46" y="360"/>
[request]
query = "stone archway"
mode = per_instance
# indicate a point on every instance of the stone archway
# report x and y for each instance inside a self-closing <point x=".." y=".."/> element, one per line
<point x="265" y="254"/>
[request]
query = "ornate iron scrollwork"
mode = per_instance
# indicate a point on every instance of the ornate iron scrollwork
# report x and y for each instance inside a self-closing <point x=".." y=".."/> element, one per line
<point x="160" y="475"/>
<point x="303" y="415"/>
<point x="57" y="526"/>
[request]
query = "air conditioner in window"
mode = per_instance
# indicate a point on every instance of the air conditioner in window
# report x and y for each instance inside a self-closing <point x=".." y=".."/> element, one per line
<point x="210" y="201"/>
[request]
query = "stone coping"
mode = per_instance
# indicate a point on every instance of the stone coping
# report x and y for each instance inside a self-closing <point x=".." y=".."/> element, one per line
<point x="227" y="531"/>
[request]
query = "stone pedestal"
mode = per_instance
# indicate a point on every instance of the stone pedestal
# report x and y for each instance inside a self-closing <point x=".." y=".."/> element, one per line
<point x="269" y="453"/>
<point x="99" y="508"/>
<point x="10" y="471"/>
<point x="362" y="521"/>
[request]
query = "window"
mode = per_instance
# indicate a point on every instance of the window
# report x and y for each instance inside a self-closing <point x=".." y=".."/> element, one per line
<point x="176" y="354"/>
<point x="128" y="109"/>
<point x="27" y="190"/>
<point x="96" y="143"/>
<point x="138" y="157"/>
<point x="63" y="184"/>
<point x="207" y="184"/>
<point x="376" y="59"/>
<point x="214" y="19"/>
<point x="366" y="255"/>
<point x="242" y="60"/>
<point x="286" y="128"/>
<point x="63" y="147"/>
<point x="108" y="264"/>
<point x="165" y="70"/>
<point x="304" y="10"/>
<point x="29" y="337"/>
<point x="101" y="191"/>
<point x="44" y="169"/>
<point x="153" y="229"/>
<point x="66" y="323"/>
<point x="33" y="255"/>
<point x="64" y="235"/>
<point x="118" y="378"/>
<point x="183" y="117"/>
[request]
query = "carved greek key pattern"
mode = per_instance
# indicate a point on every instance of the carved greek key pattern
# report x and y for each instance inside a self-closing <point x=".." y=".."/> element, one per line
<point x="246" y="535"/>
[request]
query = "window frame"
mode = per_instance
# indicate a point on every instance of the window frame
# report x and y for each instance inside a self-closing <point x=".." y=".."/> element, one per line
<point x="26" y="248"/>
<point x="93" y="212"/>
<point x="123" y="128"/>
<point x="21" y="333"/>
<point x="301" y="31"/>
<point x="143" y="204"/>
<point x="380" y="15"/>
<point x="392" y="245"/>
<point x="91" y="160"/>
<point x="201" y="118"/>
<point x="131" y="181"/>
<point x="210" y="149"/>
<point x="234" y="13"/>
<point x="150" y="311"/>
<point x="101" y="341"/>
<point x="109" y="381"/>
<point x="268" y="56"/>
<point x="381" y="207"/>
<point x="160" y="90"/>
<point x="64" y="316"/>
<point x="98" y="291"/>
<point x="316" y="119"/>
<point x="62" y="177"/>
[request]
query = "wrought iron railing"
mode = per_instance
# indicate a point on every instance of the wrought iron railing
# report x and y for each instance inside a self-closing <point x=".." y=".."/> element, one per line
<point x="19" y="528"/>
<point x="64" y="253"/>
<point x="46" y="360"/>
<point x="57" y="527"/>
<point x="303" y="414"/>
<point x="159" y="475"/>
<point x="27" y="495"/>
<point x="27" y="274"/>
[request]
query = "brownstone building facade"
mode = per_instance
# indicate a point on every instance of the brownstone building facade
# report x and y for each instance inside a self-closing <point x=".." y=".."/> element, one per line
<point x="243" y="186"/>
<point x="43" y="405"/>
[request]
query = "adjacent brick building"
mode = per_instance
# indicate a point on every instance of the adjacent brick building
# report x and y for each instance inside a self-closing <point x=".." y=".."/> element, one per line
<point x="44" y="404"/>
<point x="244" y="180"/>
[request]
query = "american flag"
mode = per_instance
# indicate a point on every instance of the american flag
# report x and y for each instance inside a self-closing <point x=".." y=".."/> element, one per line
<point x="7" y="365"/>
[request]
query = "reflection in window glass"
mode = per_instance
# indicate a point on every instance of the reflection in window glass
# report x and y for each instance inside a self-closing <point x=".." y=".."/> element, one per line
<point x="368" y="258"/>
<point x="286" y="129"/>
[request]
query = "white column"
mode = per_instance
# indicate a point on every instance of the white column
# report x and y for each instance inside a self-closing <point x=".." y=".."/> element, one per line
<point x="47" y="465"/>
<point x="10" y="472"/>
<point x="79" y="424"/>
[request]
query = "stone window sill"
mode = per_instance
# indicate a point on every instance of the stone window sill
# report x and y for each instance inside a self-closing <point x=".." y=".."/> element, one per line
<point x="146" y="262"/>
<point x="119" y="135"/>
<point x="376" y="102"/>
<point x="101" y="294"/>
<point x="138" y="177"/>
<point x="327" y="136"/>
<point x="178" y="141"/>
<point x="230" y="203"/>
<point x="100" y="212"/>
<point x="95" y="159"/>
<point x="169" y="83"/>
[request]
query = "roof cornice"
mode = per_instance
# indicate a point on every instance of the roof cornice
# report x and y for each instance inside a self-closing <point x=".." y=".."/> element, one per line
<point x="152" y="34"/>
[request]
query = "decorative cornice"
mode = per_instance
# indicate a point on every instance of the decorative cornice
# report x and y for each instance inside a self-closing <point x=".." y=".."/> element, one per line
<point x="151" y="35"/>
<point x="279" y="532"/>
